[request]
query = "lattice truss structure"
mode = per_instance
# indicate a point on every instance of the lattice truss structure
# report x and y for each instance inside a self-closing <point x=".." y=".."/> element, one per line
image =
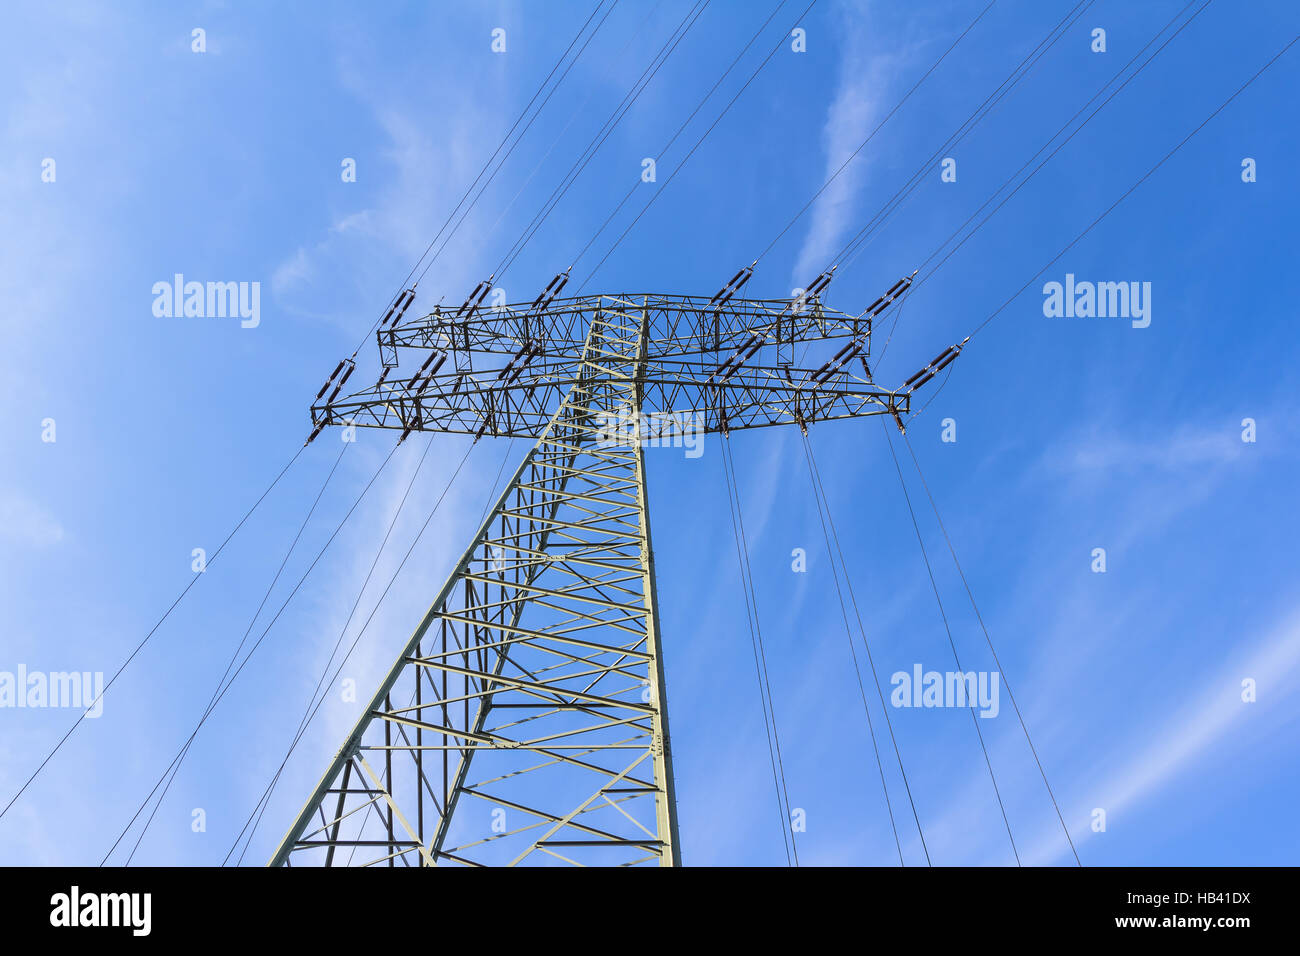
<point x="525" y="721"/>
<point x="504" y="370"/>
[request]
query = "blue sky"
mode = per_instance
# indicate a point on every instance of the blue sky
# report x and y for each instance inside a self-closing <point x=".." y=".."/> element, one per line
<point x="1072" y="434"/>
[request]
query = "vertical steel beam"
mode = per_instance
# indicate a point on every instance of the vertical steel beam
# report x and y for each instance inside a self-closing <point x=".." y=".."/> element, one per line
<point x="550" y="636"/>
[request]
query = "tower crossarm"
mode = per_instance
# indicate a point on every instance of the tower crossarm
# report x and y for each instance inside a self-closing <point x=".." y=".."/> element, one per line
<point x="675" y="396"/>
<point x="708" y="367"/>
<point x="677" y="326"/>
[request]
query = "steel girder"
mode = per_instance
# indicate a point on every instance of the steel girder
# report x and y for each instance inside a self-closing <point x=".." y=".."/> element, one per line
<point x="482" y="404"/>
<point x="710" y="368"/>
<point x="525" y="720"/>
<point x="676" y="325"/>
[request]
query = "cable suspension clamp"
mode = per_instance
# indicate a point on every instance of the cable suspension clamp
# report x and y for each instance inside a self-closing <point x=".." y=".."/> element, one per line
<point x="812" y="294"/>
<point x="725" y="295"/>
<point x="939" y="363"/>
<point x="398" y="308"/>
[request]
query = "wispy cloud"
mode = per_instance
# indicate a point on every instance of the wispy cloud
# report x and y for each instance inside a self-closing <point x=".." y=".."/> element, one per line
<point x="294" y="270"/>
<point x="852" y="115"/>
<point x="1186" y="738"/>
<point x="1186" y="447"/>
<point x="26" y="523"/>
<point x="424" y="168"/>
<point x="964" y="829"/>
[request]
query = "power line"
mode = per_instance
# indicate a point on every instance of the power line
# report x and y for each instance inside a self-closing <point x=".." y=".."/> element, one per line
<point x="322" y="685"/>
<point x="176" y="763"/>
<point x="760" y="654"/>
<point x="258" y="643"/>
<point x="1062" y="144"/>
<point x="578" y="111"/>
<point x="830" y="518"/>
<point x="1147" y="175"/>
<point x="951" y="643"/>
<point x="527" y="126"/>
<point x="152" y="630"/>
<point x="1022" y="183"/>
<point x="857" y="668"/>
<point x="680" y="129"/>
<point x="933" y="396"/>
<point x="924" y="76"/>
<point x="898" y="315"/>
<point x="175" y="767"/>
<point x="726" y="109"/>
<point x="1109" y="209"/>
<point x="964" y="129"/>
<point x="1021" y="70"/>
<point x="602" y="135"/>
<point x="989" y="640"/>
<point x="505" y="139"/>
<point x="487" y="505"/>
<point x="391" y="301"/>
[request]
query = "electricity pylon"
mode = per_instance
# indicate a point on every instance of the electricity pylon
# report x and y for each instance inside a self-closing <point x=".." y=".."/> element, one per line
<point x="526" y="721"/>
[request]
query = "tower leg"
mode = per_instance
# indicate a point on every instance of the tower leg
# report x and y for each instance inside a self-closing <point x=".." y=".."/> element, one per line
<point x="525" y="720"/>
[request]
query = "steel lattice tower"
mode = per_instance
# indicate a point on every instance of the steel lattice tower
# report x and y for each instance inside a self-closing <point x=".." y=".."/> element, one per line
<point x="526" y="719"/>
